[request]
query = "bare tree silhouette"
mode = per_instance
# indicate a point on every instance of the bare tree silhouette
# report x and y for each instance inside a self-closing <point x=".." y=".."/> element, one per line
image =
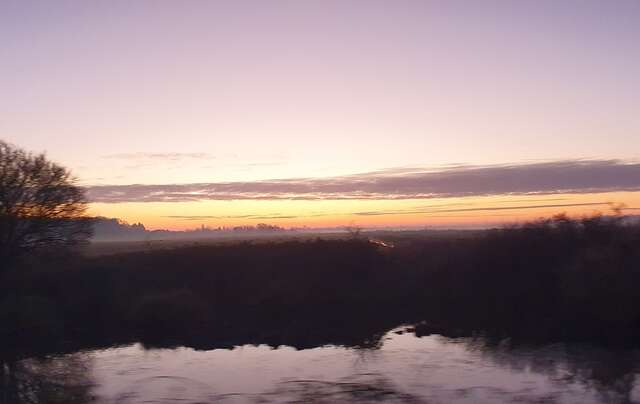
<point x="40" y="205"/>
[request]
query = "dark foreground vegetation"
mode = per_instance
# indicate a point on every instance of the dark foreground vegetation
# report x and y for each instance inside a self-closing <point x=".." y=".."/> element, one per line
<point x="553" y="280"/>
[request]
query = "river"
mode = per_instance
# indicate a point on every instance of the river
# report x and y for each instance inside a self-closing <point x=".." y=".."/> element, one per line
<point x="403" y="368"/>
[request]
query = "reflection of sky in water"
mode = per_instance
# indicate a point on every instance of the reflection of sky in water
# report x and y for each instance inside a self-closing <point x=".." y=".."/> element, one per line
<point x="404" y="369"/>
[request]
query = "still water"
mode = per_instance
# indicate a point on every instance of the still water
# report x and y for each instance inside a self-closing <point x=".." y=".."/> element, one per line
<point x="403" y="369"/>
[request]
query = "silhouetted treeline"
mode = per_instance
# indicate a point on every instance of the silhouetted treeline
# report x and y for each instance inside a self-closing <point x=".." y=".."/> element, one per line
<point x="552" y="280"/>
<point x="116" y="229"/>
<point x="110" y="229"/>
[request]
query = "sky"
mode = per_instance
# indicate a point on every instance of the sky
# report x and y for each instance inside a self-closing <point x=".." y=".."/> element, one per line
<point x="326" y="113"/>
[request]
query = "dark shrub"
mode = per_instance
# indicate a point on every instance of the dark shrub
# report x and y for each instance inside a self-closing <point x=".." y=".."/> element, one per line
<point x="169" y="314"/>
<point x="29" y="319"/>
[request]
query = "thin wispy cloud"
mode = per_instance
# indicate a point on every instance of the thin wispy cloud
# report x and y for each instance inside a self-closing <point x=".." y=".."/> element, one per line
<point x="249" y="217"/>
<point x="577" y="176"/>
<point x="478" y="209"/>
<point x="432" y="211"/>
<point x="159" y="156"/>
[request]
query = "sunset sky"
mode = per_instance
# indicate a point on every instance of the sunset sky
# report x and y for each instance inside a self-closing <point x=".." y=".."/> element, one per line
<point x="327" y="113"/>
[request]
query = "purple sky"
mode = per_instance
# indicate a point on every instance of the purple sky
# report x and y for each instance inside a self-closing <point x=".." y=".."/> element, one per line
<point x="318" y="87"/>
<point x="184" y="92"/>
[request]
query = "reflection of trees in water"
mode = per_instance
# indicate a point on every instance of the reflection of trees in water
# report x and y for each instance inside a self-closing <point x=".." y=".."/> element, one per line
<point x="61" y="380"/>
<point x="611" y="373"/>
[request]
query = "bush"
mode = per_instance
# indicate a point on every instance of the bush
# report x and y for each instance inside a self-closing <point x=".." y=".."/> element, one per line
<point x="31" y="319"/>
<point x="169" y="314"/>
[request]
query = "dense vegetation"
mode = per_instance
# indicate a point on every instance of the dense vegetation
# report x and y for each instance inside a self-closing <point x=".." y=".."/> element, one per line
<point x="557" y="279"/>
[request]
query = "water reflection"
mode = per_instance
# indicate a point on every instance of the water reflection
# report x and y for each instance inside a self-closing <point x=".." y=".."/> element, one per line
<point x="355" y="389"/>
<point x="610" y="373"/>
<point x="402" y="369"/>
<point x="63" y="380"/>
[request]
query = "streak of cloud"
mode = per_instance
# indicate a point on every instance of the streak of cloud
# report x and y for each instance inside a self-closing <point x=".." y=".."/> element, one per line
<point x="159" y="156"/>
<point x="248" y="217"/>
<point x="479" y="209"/>
<point x="577" y="176"/>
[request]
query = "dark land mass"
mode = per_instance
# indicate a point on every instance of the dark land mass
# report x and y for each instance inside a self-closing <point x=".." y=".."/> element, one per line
<point x="557" y="280"/>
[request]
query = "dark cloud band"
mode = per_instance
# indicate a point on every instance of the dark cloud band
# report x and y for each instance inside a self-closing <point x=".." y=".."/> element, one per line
<point x="415" y="183"/>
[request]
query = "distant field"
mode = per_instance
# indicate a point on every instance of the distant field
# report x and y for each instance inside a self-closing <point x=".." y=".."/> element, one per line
<point x="98" y="248"/>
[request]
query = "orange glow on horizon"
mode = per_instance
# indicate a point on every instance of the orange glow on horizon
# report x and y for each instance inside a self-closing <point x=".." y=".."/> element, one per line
<point x="441" y="212"/>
